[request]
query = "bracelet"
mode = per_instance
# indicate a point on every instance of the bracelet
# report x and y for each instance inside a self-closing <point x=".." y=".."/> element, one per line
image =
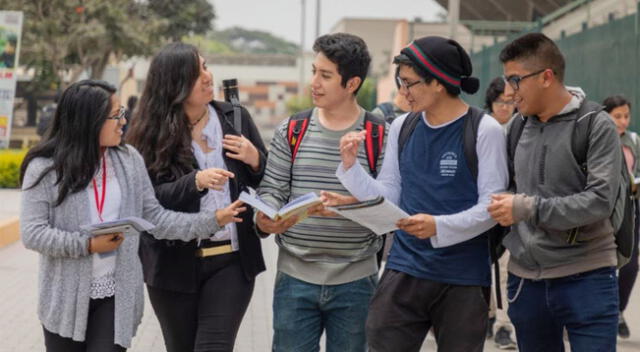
<point x="196" y="180"/>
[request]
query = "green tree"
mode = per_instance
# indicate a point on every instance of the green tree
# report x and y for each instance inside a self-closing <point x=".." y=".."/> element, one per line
<point x="254" y="42"/>
<point x="299" y="103"/>
<point x="367" y="94"/>
<point x="184" y="17"/>
<point x="63" y="38"/>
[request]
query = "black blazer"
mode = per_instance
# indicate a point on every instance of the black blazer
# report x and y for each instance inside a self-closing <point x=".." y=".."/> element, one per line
<point x="172" y="265"/>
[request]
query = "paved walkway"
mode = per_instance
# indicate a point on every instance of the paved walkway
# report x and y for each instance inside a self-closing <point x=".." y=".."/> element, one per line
<point x="21" y="332"/>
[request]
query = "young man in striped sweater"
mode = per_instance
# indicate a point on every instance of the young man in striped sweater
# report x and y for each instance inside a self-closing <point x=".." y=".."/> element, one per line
<point x="327" y="269"/>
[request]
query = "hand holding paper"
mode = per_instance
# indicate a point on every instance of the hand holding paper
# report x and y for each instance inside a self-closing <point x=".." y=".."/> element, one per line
<point x="330" y="199"/>
<point x="378" y="214"/>
<point x="422" y="226"/>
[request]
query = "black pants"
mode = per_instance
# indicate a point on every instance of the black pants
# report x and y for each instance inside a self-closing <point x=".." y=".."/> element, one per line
<point x="99" y="336"/>
<point x="628" y="273"/>
<point x="209" y="319"/>
<point x="404" y="308"/>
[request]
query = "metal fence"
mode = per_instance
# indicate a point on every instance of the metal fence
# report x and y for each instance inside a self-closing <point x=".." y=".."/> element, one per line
<point x="602" y="60"/>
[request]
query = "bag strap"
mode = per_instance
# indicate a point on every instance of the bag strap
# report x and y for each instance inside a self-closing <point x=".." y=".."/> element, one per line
<point x="374" y="140"/>
<point x="298" y="124"/>
<point x="513" y="137"/>
<point x="587" y="111"/>
<point x="408" y="125"/>
<point x="470" y="138"/>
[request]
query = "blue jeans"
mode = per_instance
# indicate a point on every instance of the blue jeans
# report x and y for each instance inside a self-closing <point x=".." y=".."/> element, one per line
<point x="301" y="311"/>
<point x="586" y="304"/>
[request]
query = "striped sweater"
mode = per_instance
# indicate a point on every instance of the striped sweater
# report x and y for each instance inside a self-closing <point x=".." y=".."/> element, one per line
<point x="319" y="250"/>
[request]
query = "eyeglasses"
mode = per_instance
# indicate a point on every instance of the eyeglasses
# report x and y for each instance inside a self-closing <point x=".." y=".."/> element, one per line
<point x="503" y="103"/>
<point x="404" y="84"/>
<point x="121" y="114"/>
<point x="514" y="80"/>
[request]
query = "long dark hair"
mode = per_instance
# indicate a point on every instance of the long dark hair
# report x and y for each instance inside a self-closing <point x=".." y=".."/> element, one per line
<point x="160" y="129"/>
<point x="73" y="141"/>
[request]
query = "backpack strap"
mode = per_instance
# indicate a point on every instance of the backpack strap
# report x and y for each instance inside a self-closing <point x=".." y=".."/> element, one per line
<point x="513" y="137"/>
<point x="298" y="124"/>
<point x="374" y="139"/>
<point x="587" y="111"/>
<point x="408" y="125"/>
<point x="470" y="138"/>
<point x="470" y="135"/>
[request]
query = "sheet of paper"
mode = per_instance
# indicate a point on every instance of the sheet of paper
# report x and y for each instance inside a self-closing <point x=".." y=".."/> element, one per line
<point x="379" y="218"/>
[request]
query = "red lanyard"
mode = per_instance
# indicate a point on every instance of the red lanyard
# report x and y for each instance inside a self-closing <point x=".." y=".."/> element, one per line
<point x="100" y="201"/>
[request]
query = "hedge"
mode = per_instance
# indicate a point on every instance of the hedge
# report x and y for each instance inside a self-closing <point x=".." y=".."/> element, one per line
<point x="10" y="161"/>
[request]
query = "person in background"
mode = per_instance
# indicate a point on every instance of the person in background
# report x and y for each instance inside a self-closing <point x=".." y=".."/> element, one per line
<point x="197" y="161"/>
<point x="389" y="110"/>
<point x="497" y="104"/>
<point x="500" y="108"/>
<point x="619" y="108"/>
<point x="91" y="289"/>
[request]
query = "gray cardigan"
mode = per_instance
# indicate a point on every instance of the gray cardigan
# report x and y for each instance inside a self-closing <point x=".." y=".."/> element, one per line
<point x="66" y="265"/>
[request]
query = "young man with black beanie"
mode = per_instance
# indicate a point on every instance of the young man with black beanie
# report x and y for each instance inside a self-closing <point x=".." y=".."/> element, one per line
<point x="562" y="268"/>
<point x="438" y="272"/>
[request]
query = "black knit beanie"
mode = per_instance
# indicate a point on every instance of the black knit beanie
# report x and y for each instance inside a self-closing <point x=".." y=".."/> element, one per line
<point x="446" y="60"/>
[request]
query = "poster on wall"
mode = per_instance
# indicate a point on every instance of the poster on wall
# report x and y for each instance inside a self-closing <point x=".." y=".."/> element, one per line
<point x="10" y="33"/>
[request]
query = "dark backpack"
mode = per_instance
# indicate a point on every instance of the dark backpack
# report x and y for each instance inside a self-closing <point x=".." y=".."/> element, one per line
<point x="469" y="139"/>
<point x="374" y="139"/>
<point x="388" y="111"/>
<point x="623" y="215"/>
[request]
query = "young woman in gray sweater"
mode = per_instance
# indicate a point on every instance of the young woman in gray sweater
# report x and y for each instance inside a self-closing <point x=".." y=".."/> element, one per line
<point x="91" y="287"/>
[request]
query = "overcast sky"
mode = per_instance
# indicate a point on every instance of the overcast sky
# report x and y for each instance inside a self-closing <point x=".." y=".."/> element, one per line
<point x="282" y="17"/>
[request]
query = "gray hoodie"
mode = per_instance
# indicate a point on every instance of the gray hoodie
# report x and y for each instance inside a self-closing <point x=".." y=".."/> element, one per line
<point x="552" y="199"/>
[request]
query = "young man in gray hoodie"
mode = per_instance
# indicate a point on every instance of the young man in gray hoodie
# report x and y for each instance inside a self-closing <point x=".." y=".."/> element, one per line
<point x="562" y="271"/>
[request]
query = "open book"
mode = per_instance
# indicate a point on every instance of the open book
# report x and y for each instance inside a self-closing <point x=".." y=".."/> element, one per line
<point x="378" y="214"/>
<point x="297" y="207"/>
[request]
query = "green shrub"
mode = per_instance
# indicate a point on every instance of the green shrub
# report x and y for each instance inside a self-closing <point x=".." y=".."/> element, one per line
<point x="10" y="161"/>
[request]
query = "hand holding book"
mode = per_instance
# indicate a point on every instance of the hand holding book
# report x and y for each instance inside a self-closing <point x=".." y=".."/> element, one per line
<point x="271" y="220"/>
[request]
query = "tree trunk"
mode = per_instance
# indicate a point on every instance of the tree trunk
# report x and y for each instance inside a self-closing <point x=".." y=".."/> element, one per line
<point x="99" y="65"/>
